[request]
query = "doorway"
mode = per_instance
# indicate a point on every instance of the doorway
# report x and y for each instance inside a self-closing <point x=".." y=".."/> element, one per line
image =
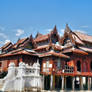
<point x="47" y="82"/>
<point x="58" y="82"/>
<point x="69" y="82"/>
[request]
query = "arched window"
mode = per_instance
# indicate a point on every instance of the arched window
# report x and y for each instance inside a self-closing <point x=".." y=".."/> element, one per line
<point x="91" y="65"/>
<point x="78" y="66"/>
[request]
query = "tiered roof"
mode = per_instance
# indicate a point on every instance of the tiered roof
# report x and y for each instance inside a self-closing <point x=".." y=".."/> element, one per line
<point x="20" y="43"/>
<point x="80" y="43"/>
<point x="52" y="53"/>
<point x="6" y="47"/>
<point x="84" y="37"/>
<point x="19" y="52"/>
<point x="40" y="37"/>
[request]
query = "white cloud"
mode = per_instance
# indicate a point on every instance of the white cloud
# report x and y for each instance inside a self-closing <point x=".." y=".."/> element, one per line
<point x="48" y="30"/>
<point x="3" y="35"/>
<point x="4" y="42"/>
<point x="7" y="40"/>
<point x="1" y="42"/>
<point x="81" y="31"/>
<point x="19" y="32"/>
<point x="84" y="26"/>
<point x="61" y="32"/>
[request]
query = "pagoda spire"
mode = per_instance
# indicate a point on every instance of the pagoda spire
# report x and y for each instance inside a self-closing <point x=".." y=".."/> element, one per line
<point x="31" y="37"/>
<point x="55" y="29"/>
<point x="67" y="29"/>
<point x="38" y="34"/>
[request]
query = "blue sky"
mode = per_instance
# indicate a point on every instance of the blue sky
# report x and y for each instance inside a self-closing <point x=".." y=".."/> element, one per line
<point x="20" y="18"/>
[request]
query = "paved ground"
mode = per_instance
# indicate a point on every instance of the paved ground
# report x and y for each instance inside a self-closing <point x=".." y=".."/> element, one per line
<point x="68" y="91"/>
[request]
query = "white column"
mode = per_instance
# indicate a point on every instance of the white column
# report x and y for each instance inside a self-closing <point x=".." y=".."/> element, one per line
<point x="51" y="82"/>
<point x="62" y="82"/>
<point x="73" y="83"/>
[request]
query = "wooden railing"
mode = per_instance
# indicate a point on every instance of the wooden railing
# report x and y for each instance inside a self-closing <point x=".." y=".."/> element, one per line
<point x="68" y="69"/>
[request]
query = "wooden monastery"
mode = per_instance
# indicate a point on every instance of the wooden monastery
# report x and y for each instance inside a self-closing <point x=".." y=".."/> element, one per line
<point x="64" y="60"/>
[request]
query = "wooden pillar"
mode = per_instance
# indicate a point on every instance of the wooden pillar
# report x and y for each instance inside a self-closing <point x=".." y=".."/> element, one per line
<point x="65" y="82"/>
<point x="81" y="83"/>
<point x="43" y="83"/>
<point x="51" y="82"/>
<point x="73" y="83"/>
<point x="89" y="83"/>
<point x="62" y="83"/>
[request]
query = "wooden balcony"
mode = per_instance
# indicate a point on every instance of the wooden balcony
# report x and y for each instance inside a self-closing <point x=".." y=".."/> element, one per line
<point x="68" y="69"/>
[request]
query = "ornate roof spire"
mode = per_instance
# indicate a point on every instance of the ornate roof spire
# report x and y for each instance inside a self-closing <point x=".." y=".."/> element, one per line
<point x="55" y="29"/>
<point x="38" y="34"/>
<point x="31" y="37"/>
<point x="67" y="29"/>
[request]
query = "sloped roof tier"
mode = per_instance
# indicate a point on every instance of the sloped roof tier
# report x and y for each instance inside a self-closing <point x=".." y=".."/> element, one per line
<point x="20" y="42"/>
<point x="41" y="38"/>
<point x="6" y="45"/>
<point x="56" y="47"/>
<point x="52" y="53"/>
<point x="86" y="49"/>
<point x="74" y="50"/>
<point x="18" y="52"/>
<point x="84" y="37"/>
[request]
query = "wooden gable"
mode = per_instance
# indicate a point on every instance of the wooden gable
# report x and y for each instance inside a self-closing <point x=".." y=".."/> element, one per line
<point x="54" y="35"/>
<point x="67" y="39"/>
<point x="30" y="44"/>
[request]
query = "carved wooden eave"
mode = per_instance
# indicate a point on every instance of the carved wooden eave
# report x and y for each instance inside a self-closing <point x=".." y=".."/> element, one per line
<point x="74" y="51"/>
<point x="52" y="53"/>
<point x="6" y="45"/>
<point x="48" y="47"/>
<point x="20" y="43"/>
<point x="86" y="49"/>
<point x="77" y="39"/>
<point x="18" y="52"/>
<point x="84" y="39"/>
<point x="41" y="38"/>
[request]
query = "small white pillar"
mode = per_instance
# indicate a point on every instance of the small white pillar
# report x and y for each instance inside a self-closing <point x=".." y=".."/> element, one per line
<point x="51" y="82"/>
<point x="62" y="82"/>
<point x="73" y="83"/>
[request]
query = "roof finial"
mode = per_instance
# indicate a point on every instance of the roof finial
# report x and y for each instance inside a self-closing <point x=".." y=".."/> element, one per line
<point x="18" y="39"/>
<point x="31" y="37"/>
<point x="67" y="29"/>
<point x="38" y="34"/>
<point x="55" y="28"/>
